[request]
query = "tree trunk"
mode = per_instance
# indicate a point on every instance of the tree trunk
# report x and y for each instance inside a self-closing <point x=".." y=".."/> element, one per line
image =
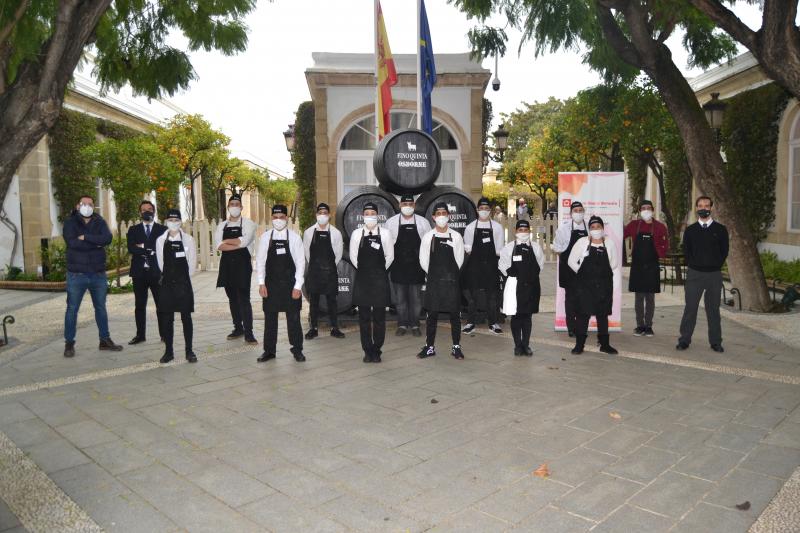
<point x="658" y="172"/>
<point x="30" y="105"/>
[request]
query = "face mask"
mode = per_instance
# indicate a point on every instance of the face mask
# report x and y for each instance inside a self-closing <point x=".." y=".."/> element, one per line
<point x="86" y="210"/>
<point x="279" y="223"/>
<point x="442" y="220"/>
<point x="577" y="218"/>
<point x="704" y="213"/>
<point x="371" y="221"/>
<point x="173" y="225"/>
<point x="235" y="211"/>
<point x="407" y="210"/>
<point x="483" y="214"/>
<point x="596" y="234"/>
<point x="646" y="215"/>
<point x="322" y="219"/>
<point x="523" y="237"/>
<point x="147" y="216"/>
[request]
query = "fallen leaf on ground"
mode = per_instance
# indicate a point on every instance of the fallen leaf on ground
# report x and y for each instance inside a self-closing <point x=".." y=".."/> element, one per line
<point x="563" y="359"/>
<point x="542" y="471"/>
<point x="434" y="400"/>
<point x="552" y="368"/>
<point x="615" y="415"/>
<point x="743" y="506"/>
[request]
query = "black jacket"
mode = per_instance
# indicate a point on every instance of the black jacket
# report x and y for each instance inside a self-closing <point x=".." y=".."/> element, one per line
<point x="87" y="255"/>
<point x="136" y="235"/>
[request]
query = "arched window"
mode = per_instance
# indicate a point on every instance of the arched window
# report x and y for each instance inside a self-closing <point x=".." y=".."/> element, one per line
<point x="354" y="161"/>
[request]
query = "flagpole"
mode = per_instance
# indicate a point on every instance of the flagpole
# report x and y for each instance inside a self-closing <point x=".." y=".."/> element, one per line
<point x="377" y="87"/>
<point x="419" y="66"/>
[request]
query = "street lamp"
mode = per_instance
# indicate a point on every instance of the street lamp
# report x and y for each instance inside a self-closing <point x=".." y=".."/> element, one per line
<point x="288" y="136"/>
<point x="500" y="141"/>
<point x="715" y="113"/>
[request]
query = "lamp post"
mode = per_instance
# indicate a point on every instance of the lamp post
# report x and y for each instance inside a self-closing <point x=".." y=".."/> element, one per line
<point x="714" y="110"/>
<point x="288" y="137"/>
<point x="500" y="143"/>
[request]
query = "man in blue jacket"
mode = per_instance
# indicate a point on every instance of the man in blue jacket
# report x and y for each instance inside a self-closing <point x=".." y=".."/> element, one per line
<point x="86" y="235"/>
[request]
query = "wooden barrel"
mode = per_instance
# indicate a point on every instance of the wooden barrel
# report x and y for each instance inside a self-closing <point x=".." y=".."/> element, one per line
<point x="350" y="211"/>
<point x="407" y="161"/>
<point x="459" y="204"/>
<point x="344" y="299"/>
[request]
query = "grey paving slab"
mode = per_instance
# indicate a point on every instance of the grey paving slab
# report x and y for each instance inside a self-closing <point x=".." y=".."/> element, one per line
<point x="579" y="465"/>
<point x="86" y="433"/>
<point x="368" y="515"/>
<point x="771" y="460"/>
<point x="763" y="416"/>
<point x="619" y="440"/>
<point x="8" y="520"/>
<point x="471" y="520"/>
<point x="118" y="456"/>
<point x="679" y="438"/>
<point x="629" y="518"/>
<point x="281" y="514"/>
<point x="300" y="484"/>
<point x="787" y="434"/>
<point x="229" y="485"/>
<point x="737" y="437"/>
<point x="11" y="412"/>
<point x="599" y="496"/>
<point x="672" y="494"/>
<point x="515" y="502"/>
<point x="554" y="520"/>
<point x="713" y="519"/>
<point x="744" y="486"/>
<point x="54" y="455"/>
<point x="709" y="463"/>
<point x="643" y="465"/>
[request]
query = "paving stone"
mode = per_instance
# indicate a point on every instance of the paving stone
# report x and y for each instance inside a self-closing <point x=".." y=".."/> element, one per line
<point x="596" y="498"/>
<point x="763" y="416"/>
<point x="54" y="411"/>
<point x="787" y="434"/>
<point x="745" y="486"/>
<point x="428" y="446"/>
<point x="620" y="440"/>
<point x="598" y="420"/>
<point x="27" y="433"/>
<point x="55" y="455"/>
<point x="14" y="412"/>
<point x="654" y="418"/>
<point x="708" y="417"/>
<point x="709" y="463"/>
<point x="279" y="513"/>
<point x="628" y="518"/>
<point x="214" y="386"/>
<point x="300" y="484"/>
<point x="679" y="439"/>
<point x="557" y="442"/>
<point x="515" y="502"/>
<point x="368" y="515"/>
<point x="554" y="520"/>
<point x="672" y="494"/>
<point x="229" y="485"/>
<point x="118" y="456"/>
<point x="579" y="465"/>
<point x="376" y="457"/>
<point x="643" y="465"/>
<point x="470" y="520"/>
<point x="737" y="437"/>
<point x="438" y="504"/>
<point x="772" y="460"/>
<point x="8" y="520"/>
<point x="712" y="519"/>
<point x="87" y="433"/>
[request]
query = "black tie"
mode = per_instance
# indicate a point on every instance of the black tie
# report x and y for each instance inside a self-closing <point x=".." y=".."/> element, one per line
<point x="705" y="225"/>
<point x="147" y="230"/>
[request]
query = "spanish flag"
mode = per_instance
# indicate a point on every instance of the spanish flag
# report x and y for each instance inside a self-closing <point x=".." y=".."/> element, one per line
<point x="387" y="75"/>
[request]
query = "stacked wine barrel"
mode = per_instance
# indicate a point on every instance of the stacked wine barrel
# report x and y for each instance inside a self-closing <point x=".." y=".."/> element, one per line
<point x="406" y="161"/>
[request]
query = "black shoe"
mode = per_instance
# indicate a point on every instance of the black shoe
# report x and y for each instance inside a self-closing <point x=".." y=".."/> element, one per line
<point x="312" y="333"/>
<point x="109" y="346"/>
<point x="376" y="356"/>
<point x="265" y="357"/>
<point x="456" y="351"/>
<point x="401" y="330"/>
<point x="639" y="331"/>
<point x="69" y="349"/>
<point x="166" y="358"/>
<point x="136" y="340"/>
<point x="191" y="357"/>
<point x="579" y="343"/>
<point x="528" y="351"/>
<point x="235" y="334"/>
<point x="681" y="346"/>
<point x="249" y="338"/>
<point x="367" y="357"/>
<point x="298" y="356"/>
<point x="648" y="332"/>
<point x="416" y="332"/>
<point x="605" y="346"/>
<point x="717" y="348"/>
<point x="517" y="350"/>
<point x="335" y="332"/>
<point x="426" y="351"/>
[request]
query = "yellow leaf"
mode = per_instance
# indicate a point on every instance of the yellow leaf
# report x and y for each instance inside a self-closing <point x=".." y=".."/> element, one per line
<point x="542" y="471"/>
<point x="615" y="415"/>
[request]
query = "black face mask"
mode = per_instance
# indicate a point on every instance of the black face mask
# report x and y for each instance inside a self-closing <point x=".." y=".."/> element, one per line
<point x="147" y="216"/>
<point x="704" y="213"/>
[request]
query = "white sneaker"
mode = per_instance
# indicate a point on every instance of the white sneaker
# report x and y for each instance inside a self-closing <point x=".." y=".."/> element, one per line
<point x="496" y="329"/>
<point x="469" y="328"/>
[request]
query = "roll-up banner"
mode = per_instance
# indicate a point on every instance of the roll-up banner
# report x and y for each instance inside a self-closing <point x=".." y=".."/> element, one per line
<point x="602" y="194"/>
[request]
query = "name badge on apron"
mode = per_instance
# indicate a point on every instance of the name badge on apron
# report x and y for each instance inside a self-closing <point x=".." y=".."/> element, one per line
<point x="180" y="254"/>
<point x="486" y="239"/>
<point x="280" y="251"/>
<point x="517" y="258"/>
<point x="376" y="245"/>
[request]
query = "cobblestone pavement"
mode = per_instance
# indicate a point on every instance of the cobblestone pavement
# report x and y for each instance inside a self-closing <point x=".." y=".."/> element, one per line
<point x="650" y="440"/>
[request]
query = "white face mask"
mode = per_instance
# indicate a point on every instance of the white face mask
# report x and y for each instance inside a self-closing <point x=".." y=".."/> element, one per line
<point x="483" y="214"/>
<point x="407" y="210"/>
<point x="173" y="225"/>
<point x="86" y="210"/>
<point x="279" y="223"/>
<point x="323" y="219"/>
<point x="523" y="237"/>
<point x="371" y="221"/>
<point x="577" y="218"/>
<point x="442" y="220"/>
<point x="646" y="215"/>
<point x="596" y="234"/>
<point x="235" y="211"/>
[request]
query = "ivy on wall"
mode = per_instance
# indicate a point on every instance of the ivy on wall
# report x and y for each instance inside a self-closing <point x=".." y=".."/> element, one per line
<point x="749" y="139"/>
<point x="305" y="163"/>
<point x="636" y="168"/>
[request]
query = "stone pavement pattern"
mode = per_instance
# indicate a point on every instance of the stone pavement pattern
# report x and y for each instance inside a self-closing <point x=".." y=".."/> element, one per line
<point x="334" y="444"/>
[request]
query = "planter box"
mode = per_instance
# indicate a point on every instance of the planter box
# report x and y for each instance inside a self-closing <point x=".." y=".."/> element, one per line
<point x="52" y="286"/>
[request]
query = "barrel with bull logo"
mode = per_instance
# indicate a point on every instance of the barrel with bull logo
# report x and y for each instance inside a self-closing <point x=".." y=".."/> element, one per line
<point x="460" y="206"/>
<point x="350" y="211"/>
<point x="407" y="161"/>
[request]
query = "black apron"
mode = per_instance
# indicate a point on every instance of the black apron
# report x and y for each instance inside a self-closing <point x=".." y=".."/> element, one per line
<point x="279" y="278"/>
<point x="645" y="272"/>
<point x="566" y="277"/>
<point x="527" y="274"/>
<point x="235" y="268"/>
<point x="442" y="291"/>
<point x="594" y="283"/>
<point x="322" y="276"/>
<point x="481" y="272"/>
<point x="405" y="269"/>
<point x="176" y="294"/>
<point x="371" y="287"/>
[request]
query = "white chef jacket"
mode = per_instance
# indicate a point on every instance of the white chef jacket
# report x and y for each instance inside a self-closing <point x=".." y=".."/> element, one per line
<point x="248" y="238"/>
<point x="581" y="250"/>
<point x="295" y="248"/>
<point x="506" y="259"/>
<point x="188" y="247"/>
<point x="497" y="232"/>
<point x="393" y="224"/>
<point x="387" y="243"/>
<point x="425" y="246"/>
<point x="564" y="234"/>
<point x="336" y="242"/>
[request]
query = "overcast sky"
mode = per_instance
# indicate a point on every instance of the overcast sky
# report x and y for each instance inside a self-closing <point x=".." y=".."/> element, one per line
<point x="252" y="97"/>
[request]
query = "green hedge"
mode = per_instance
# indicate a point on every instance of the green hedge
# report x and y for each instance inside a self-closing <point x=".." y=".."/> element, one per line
<point x="304" y="159"/>
<point x="774" y="268"/>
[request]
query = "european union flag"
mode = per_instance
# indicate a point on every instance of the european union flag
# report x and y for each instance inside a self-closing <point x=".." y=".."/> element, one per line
<point x="427" y="68"/>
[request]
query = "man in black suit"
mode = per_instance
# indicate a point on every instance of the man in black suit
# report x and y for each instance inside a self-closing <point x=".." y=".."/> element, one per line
<point x="144" y="267"/>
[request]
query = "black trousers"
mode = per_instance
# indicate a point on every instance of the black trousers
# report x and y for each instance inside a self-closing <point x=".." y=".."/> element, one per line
<point x="521" y="326"/>
<point x="292" y="325"/>
<point x="492" y="305"/>
<point x="168" y="323"/>
<point x="708" y="286"/>
<point x="645" y="306"/>
<point x="570" y="309"/>
<point x="408" y="301"/>
<point x="582" y="325"/>
<point x="313" y="312"/>
<point x="372" y="327"/>
<point x="241" y="309"/>
<point x="141" y="286"/>
<point x="432" y="322"/>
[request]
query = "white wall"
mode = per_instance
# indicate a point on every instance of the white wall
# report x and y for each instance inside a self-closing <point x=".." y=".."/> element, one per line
<point x="785" y="252"/>
<point x="11" y="208"/>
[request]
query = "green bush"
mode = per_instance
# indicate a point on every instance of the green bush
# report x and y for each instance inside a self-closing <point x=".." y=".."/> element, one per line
<point x="774" y="268"/>
<point x="55" y="257"/>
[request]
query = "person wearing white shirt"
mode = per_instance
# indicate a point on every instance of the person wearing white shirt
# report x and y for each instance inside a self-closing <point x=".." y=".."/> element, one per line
<point x="566" y="236"/>
<point x="594" y="260"/>
<point x="280" y="263"/>
<point x="235" y="238"/>
<point x="406" y="274"/>
<point x="441" y="254"/>
<point x="483" y="241"/>
<point x="372" y="253"/>
<point x="323" y="250"/>
<point x="176" y="254"/>
<point x="522" y="261"/>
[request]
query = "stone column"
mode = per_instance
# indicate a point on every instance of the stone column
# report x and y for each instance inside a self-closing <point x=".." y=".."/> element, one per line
<point x="34" y="197"/>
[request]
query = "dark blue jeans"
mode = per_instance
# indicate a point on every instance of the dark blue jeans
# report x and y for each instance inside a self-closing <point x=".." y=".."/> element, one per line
<point x="77" y="285"/>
